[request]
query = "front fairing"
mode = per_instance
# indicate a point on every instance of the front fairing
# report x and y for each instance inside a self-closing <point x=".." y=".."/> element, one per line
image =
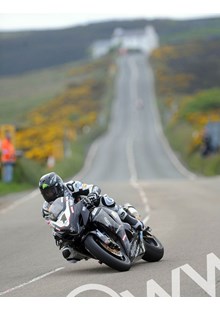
<point x="137" y="248"/>
<point x="110" y="221"/>
<point x="69" y="217"/>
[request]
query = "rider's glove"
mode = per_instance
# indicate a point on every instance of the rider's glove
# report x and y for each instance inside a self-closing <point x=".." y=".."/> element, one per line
<point x="91" y="200"/>
<point x="93" y="197"/>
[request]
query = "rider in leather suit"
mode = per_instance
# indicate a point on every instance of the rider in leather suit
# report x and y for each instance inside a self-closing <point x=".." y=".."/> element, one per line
<point x="52" y="187"/>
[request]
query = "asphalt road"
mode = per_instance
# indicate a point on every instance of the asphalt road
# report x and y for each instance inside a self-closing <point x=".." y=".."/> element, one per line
<point x="132" y="162"/>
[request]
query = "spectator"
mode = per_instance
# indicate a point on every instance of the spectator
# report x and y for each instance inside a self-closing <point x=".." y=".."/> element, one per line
<point x="8" y="158"/>
<point x="207" y="143"/>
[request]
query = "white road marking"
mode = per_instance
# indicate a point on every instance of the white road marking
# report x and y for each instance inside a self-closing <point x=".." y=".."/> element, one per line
<point x="130" y="150"/>
<point x="31" y="281"/>
<point x="19" y="202"/>
<point x="134" y="178"/>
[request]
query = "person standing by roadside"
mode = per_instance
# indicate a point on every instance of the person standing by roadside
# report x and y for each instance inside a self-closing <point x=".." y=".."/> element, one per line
<point x="8" y="158"/>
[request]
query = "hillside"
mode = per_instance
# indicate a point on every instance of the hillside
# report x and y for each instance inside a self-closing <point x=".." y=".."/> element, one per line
<point x="59" y="123"/>
<point x="188" y="67"/>
<point x="187" y="82"/>
<point x="27" y="51"/>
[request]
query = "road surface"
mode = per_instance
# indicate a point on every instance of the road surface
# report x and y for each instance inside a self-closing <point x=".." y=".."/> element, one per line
<point x="131" y="162"/>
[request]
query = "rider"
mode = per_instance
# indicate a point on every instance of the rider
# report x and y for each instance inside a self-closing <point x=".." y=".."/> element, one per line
<point x="52" y="187"/>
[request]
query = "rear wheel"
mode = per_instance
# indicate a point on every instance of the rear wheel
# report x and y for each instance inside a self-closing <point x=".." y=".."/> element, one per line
<point x="114" y="258"/>
<point x="154" y="249"/>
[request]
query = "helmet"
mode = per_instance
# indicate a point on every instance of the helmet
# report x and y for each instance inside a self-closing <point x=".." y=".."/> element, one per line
<point x="51" y="186"/>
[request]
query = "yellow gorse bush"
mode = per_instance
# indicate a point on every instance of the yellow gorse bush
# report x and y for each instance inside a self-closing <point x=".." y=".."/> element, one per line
<point x="61" y="118"/>
<point x="176" y="70"/>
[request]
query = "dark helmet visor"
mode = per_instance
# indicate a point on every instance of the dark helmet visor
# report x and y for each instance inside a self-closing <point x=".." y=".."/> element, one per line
<point x="49" y="193"/>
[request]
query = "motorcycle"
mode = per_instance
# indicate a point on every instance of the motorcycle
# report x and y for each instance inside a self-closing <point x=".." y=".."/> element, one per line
<point x="98" y="233"/>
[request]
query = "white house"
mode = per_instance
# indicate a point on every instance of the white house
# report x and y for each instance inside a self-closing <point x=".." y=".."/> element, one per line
<point x="144" y="40"/>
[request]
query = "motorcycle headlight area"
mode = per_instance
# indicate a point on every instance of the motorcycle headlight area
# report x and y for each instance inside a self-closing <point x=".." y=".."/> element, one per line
<point x="55" y="209"/>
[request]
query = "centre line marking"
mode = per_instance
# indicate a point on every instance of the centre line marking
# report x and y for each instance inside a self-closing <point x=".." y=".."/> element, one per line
<point x="134" y="179"/>
<point x="31" y="281"/>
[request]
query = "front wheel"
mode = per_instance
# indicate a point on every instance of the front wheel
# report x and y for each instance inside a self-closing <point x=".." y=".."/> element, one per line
<point x="154" y="250"/>
<point x="115" y="259"/>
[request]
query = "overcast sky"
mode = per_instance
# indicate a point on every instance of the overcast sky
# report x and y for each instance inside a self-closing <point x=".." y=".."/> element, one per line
<point x="46" y="14"/>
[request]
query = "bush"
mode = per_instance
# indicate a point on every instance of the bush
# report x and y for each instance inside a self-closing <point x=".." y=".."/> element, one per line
<point x="203" y="102"/>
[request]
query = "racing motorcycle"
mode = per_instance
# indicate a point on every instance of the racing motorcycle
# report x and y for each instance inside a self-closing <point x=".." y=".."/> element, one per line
<point x="98" y="233"/>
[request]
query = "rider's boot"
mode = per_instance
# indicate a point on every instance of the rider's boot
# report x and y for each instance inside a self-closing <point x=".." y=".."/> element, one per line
<point x="130" y="219"/>
<point x="131" y="211"/>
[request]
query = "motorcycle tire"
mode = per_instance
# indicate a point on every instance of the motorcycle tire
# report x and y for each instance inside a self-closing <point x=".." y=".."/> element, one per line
<point x="154" y="249"/>
<point x="103" y="255"/>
